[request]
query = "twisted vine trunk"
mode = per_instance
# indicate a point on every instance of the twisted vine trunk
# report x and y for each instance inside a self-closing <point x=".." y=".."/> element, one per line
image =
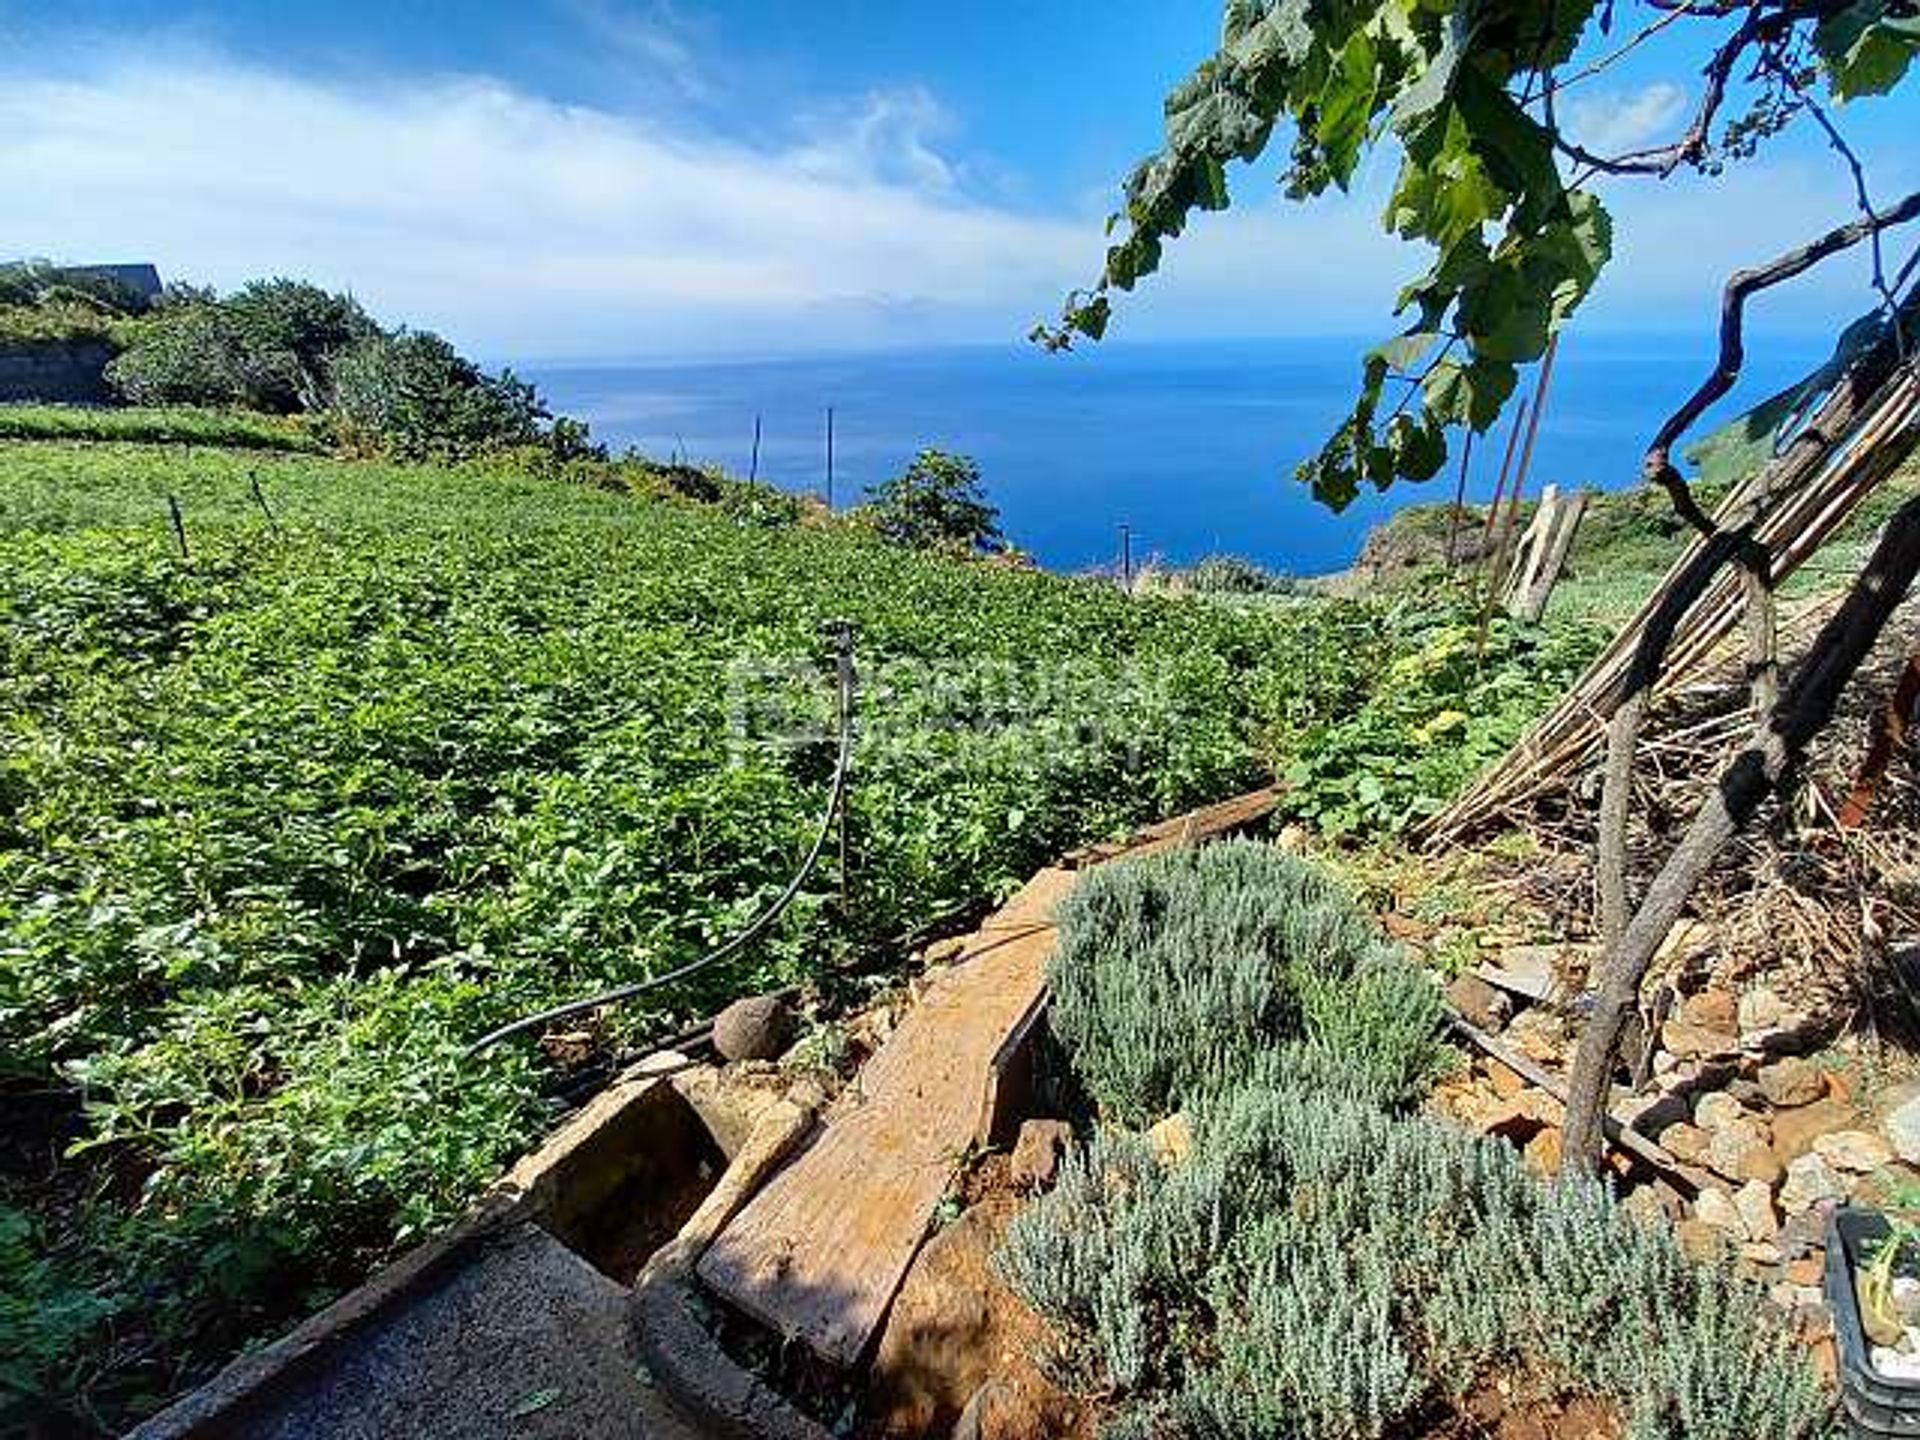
<point x="1781" y="739"/>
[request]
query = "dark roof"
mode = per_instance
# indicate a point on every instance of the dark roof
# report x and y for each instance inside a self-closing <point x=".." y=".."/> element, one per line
<point x="142" y="279"/>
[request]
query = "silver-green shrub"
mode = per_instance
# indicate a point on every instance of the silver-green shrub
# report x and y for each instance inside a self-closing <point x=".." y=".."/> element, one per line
<point x="1174" y="973"/>
<point x="1320" y="1267"/>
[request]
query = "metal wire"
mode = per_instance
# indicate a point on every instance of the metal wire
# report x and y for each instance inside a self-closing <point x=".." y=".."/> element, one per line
<point x="842" y="633"/>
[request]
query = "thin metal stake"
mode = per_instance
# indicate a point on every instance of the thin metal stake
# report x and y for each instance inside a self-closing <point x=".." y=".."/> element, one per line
<point x="179" y="525"/>
<point x="1126" y="557"/>
<point x="829" y="457"/>
<point x="753" y="470"/>
<point x="260" y="499"/>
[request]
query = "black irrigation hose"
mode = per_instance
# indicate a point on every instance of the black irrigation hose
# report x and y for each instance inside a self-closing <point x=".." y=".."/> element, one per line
<point x="842" y="633"/>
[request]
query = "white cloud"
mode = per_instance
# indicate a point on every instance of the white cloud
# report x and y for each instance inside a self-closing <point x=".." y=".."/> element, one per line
<point x="1611" y="122"/>
<point x="523" y="227"/>
<point x="519" y="224"/>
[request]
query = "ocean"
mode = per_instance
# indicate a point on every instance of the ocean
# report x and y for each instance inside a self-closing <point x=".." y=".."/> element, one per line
<point x="1190" y="445"/>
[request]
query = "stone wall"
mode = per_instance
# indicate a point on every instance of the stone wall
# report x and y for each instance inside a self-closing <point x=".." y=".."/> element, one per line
<point x="68" y="372"/>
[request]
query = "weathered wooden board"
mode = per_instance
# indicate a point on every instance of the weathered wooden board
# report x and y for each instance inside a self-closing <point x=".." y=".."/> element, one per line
<point x="819" y="1252"/>
<point x="1193" y="828"/>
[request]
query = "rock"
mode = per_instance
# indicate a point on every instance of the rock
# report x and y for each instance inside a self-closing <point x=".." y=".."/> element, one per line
<point x="1804" y="1235"/>
<point x="1810" y="1180"/>
<point x="1765" y="1017"/>
<point x="1699" y="1240"/>
<point x="1754" y="1201"/>
<point x="1529" y="971"/>
<point x="754" y="1028"/>
<point x="1859" y="1151"/>
<point x="662" y="1062"/>
<point x="1740" y="1151"/>
<point x="1686" y="1143"/>
<point x="1716" y="1208"/>
<point x="1541" y="1036"/>
<point x="1808" y="1270"/>
<point x="1521" y="1118"/>
<point x="1712" y="1010"/>
<point x="1760" y="1252"/>
<point x="1901" y="1126"/>
<point x="1790" y="1082"/>
<point x="1037" y="1152"/>
<point x="1481" y="1003"/>
<point x="1655" y="1203"/>
<point x="1293" y="839"/>
<point x="1687" y="1040"/>
<point x="955" y="1329"/>
<point x="1506" y="1083"/>
<point x="1795" y="1130"/>
<point x="1717" y="1109"/>
<point x="1171" y="1140"/>
<point x="1542" y="1154"/>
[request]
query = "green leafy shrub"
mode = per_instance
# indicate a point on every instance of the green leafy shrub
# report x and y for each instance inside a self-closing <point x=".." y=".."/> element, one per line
<point x="421" y="398"/>
<point x="1442" y="702"/>
<point x="1181" y="968"/>
<point x="936" y="502"/>
<point x="1234" y="575"/>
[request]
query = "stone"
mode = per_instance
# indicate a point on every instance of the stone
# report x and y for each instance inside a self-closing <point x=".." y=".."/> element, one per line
<point x="1809" y="1181"/>
<point x="1754" y="1201"/>
<point x="1037" y="1152"/>
<point x="1686" y="1143"/>
<point x="754" y="1028"/>
<point x="1804" y="1234"/>
<point x="955" y="1328"/>
<point x="1506" y="1082"/>
<point x="1688" y="1040"/>
<point x="1901" y="1126"/>
<point x="1521" y="1118"/>
<point x="1647" y="1205"/>
<point x="1760" y="1252"/>
<point x="1795" y="1130"/>
<point x="1765" y="1016"/>
<point x="1712" y="1010"/>
<point x="1859" y="1152"/>
<point x="1171" y="1140"/>
<point x="1716" y="1208"/>
<point x="1740" y="1151"/>
<point x="1542" y="1153"/>
<point x="1529" y="971"/>
<point x="1716" y="1109"/>
<point x="1541" y="1036"/>
<point x="1700" y="1241"/>
<point x="1792" y="1081"/>
<point x="1808" y="1270"/>
<point x="1482" y="1004"/>
<point x="662" y="1062"/>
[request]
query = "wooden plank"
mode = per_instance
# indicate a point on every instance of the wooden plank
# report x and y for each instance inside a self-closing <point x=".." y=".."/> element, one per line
<point x="819" y="1252"/>
<point x="1193" y="828"/>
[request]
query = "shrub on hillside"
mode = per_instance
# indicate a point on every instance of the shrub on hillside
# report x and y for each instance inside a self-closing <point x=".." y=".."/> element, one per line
<point x="1234" y="575"/>
<point x="1181" y="968"/>
<point x="936" y="502"/>
<point x="422" y="398"/>
<point x="269" y="346"/>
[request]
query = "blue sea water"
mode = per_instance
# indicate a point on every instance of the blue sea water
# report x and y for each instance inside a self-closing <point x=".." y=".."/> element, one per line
<point x="1191" y="445"/>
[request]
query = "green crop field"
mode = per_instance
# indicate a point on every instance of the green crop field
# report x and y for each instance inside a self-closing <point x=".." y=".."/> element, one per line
<point x="286" y="822"/>
<point x="394" y="754"/>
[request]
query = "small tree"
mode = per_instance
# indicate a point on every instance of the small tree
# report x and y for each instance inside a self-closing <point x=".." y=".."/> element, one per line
<point x="937" y="501"/>
<point x="422" y="397"/>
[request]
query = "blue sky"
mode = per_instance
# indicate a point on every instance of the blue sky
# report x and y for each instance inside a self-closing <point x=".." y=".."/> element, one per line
<point x="614" y="178"/>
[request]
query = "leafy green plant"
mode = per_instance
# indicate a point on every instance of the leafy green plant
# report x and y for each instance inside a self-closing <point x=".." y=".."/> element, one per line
<point x="418" y="395"/>
<point x="163" y="425"/>
<point x="937" y="501"/>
